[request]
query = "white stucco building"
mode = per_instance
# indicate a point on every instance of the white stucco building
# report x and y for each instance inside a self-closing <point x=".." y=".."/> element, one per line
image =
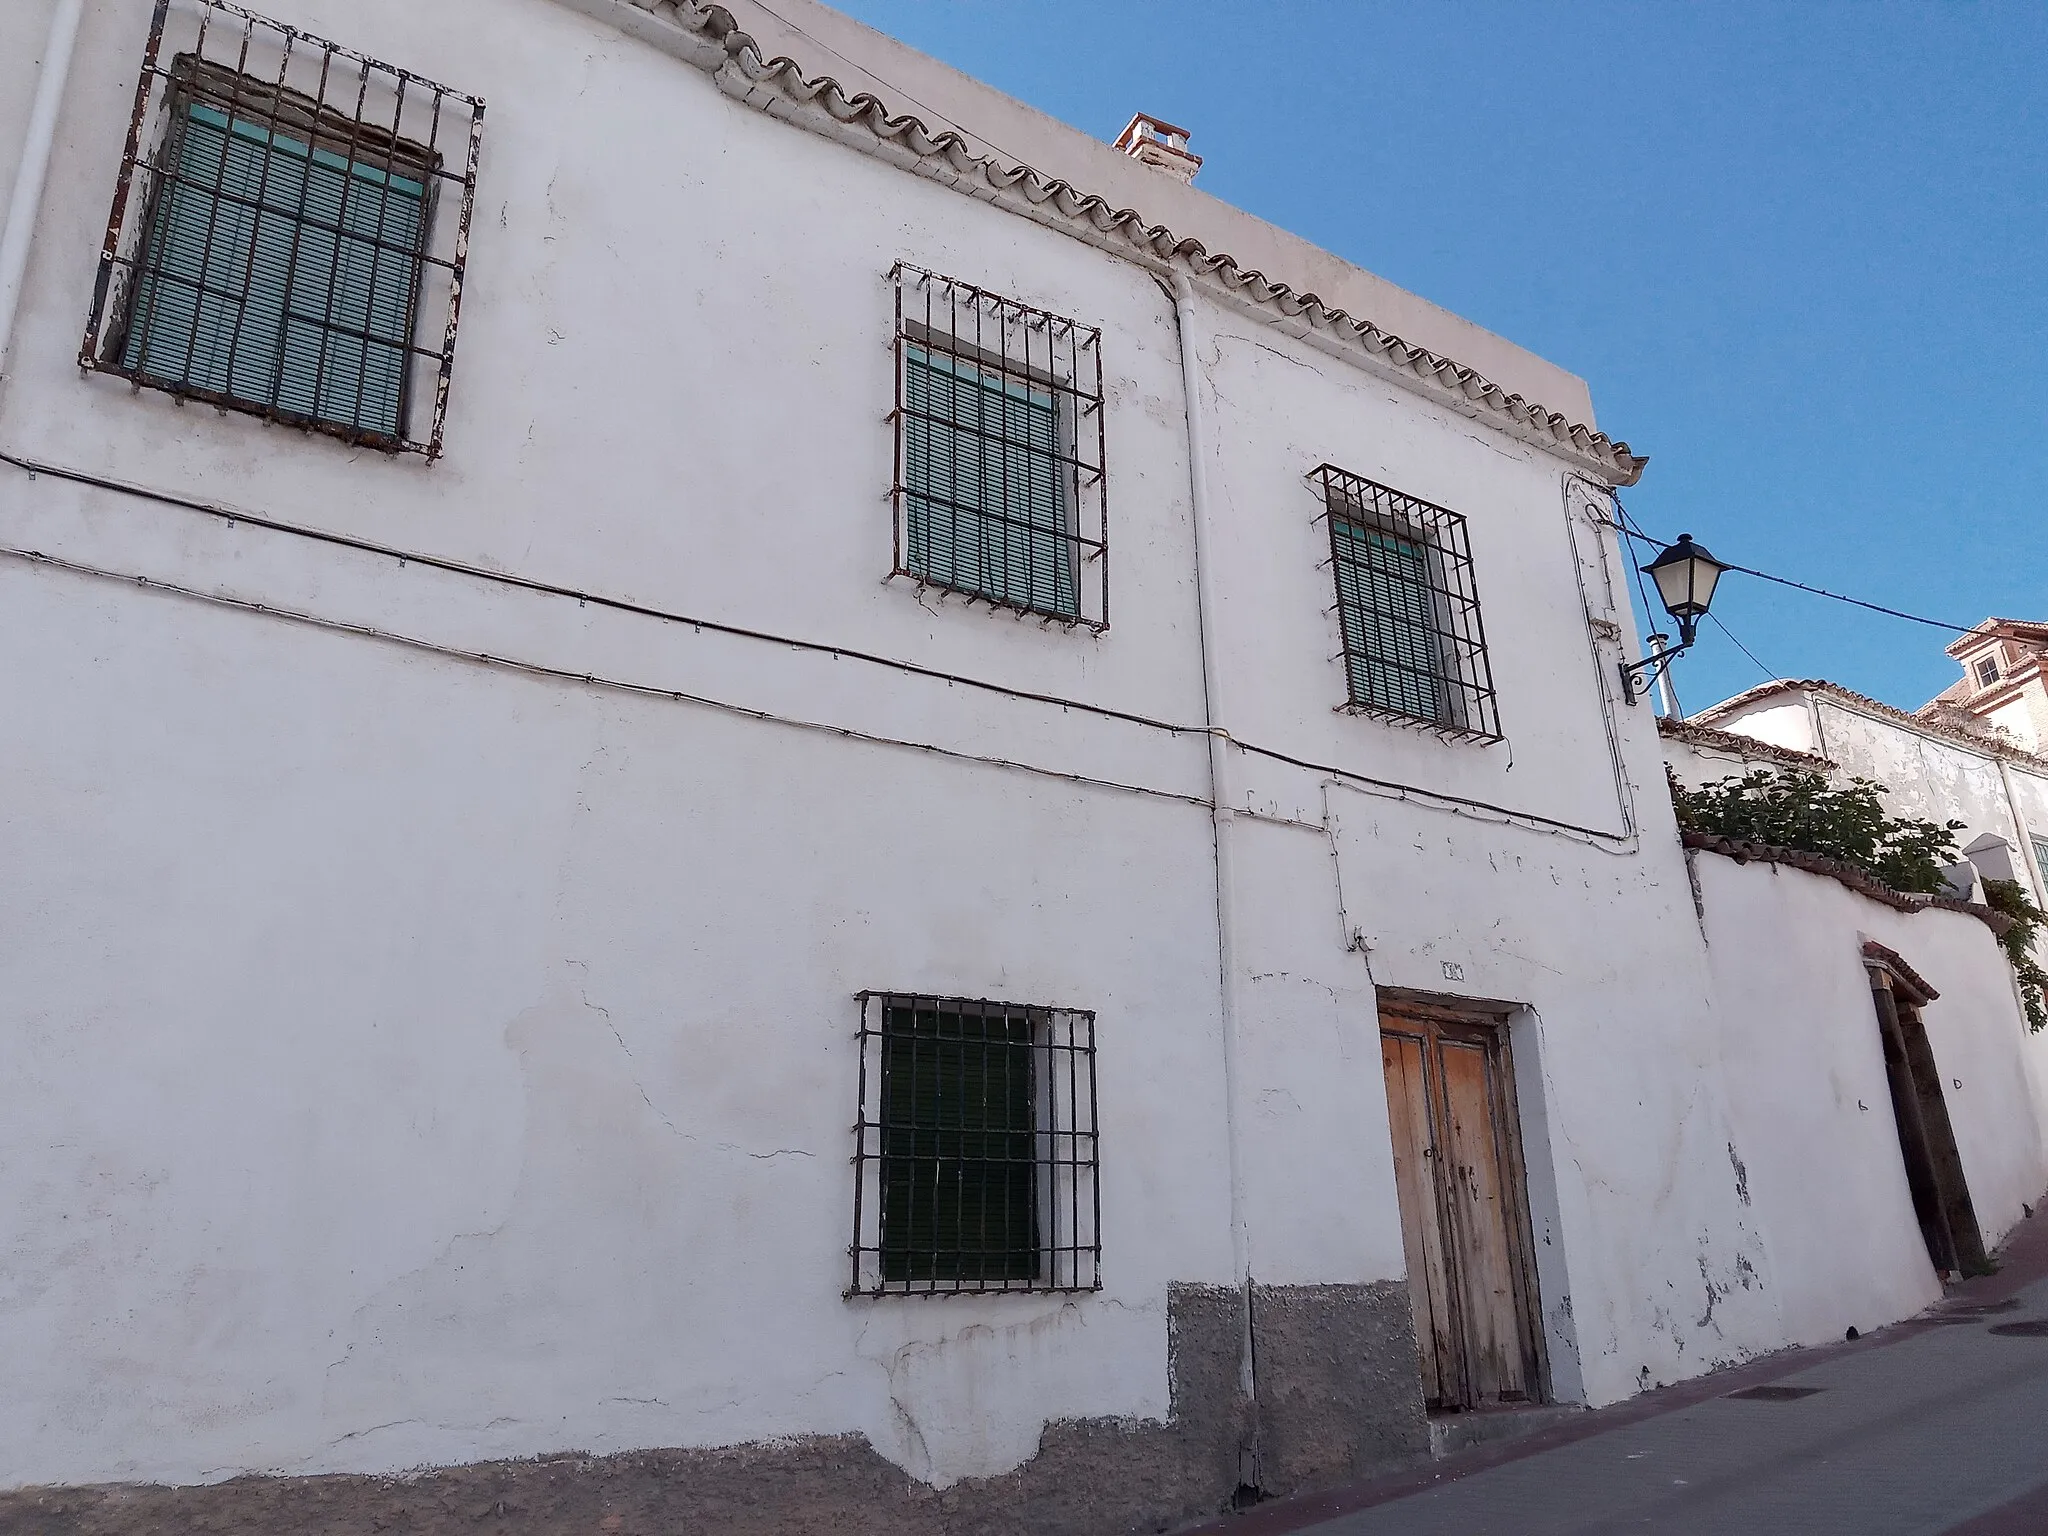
<point x="704" y="773"/>
<point x="1940" y="764"/>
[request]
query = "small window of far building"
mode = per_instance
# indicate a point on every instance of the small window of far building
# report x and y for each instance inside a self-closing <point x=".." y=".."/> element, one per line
<point x="2041" y="858"/>
<point x="1987" y="671"/>
<point x="1414" y="650"/>
<point x="999" y="493"/>
<point x="289" y="231"/>
<point x="974" y="1148"/>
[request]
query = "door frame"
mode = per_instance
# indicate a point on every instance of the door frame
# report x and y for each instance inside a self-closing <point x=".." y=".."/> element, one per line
<point x="1489" y="1024"/>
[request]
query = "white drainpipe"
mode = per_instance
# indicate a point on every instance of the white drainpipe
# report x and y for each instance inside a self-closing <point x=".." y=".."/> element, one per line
<point x="2037" y="879"/>
<point x="1220" y="798"/>
<point x="35" y="164"/>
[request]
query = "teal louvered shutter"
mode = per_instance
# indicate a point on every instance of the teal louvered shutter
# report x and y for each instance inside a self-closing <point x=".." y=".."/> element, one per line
<point x="986" y="506"/>
<point x="1388" y="611"/>
<point x="959" y="1175"/>
<point x="280" y="275"/>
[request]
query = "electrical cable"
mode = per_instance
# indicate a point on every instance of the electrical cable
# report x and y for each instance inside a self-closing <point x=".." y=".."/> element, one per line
<point x="1767" y="672"/>
<point x="1635" y="532"/>
<point x="1642" y="589"/>
<point x="592" y="599"/>
<point x="1529" y="820"/>
<point x="589" y="679"/>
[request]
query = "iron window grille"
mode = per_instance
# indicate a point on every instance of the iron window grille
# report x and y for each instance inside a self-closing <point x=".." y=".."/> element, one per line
<point x="999" y="488"/>
<point x="974" y="1148"/>
<point x="281" y="246"/>
<point x="1407" y="610"/>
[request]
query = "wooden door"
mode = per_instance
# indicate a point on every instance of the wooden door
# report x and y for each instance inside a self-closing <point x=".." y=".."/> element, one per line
<point x="1464" y="1221"/>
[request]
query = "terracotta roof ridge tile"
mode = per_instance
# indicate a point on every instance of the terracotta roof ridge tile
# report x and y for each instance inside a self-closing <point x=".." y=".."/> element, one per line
<point x="1886" y="711"/>
<point x="1734" y="741"/>
<point x="1748" y="851"/>
<point x="1904" y="976"/>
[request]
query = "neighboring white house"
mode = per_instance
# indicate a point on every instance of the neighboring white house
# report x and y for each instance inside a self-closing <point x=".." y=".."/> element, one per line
<point x="802" y="799"/>
<point x="1938" y="765"/>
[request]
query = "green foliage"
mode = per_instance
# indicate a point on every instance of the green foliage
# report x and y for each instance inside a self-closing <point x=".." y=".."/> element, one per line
<point x="2010" y="897"/>
<point x="1794" y="808"/>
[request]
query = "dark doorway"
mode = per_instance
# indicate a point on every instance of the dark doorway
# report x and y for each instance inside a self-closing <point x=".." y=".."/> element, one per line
<point x="1927" y="1141"/>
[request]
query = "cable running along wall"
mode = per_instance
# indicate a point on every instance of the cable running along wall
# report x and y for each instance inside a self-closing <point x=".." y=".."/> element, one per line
<point x="289" y="231"/>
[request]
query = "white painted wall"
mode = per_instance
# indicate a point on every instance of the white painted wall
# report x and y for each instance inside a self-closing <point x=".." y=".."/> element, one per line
<point x="1809" y="1107"/>
<point x="416" y="1061"/>
<point x="464" y="1062"/>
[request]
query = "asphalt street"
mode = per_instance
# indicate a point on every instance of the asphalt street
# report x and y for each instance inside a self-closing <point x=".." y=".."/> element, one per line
<point x="1938" y="1425"/>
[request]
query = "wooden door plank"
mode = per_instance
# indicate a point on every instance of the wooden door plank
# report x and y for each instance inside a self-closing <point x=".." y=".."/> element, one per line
<point x="1484" y="1265"/>
<point x="1405" y="1062"/>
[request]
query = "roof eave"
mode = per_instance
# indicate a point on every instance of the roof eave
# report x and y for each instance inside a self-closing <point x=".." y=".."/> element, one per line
<point x="709" y="37"/>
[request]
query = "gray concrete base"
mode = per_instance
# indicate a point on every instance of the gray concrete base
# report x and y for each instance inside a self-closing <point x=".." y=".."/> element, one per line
<point x="1339" y="1393"/>
<point x="1337" y="1397"/>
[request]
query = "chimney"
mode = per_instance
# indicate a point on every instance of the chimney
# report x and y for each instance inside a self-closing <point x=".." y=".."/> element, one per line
<point x="1160" y="145"/>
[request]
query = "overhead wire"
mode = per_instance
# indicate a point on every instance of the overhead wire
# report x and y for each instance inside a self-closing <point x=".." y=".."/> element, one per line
<point x="571" y="675"/>
<point x="1767" y="672"/>
<point x="1596" y="836"/>
<point x="1633" y="530"/>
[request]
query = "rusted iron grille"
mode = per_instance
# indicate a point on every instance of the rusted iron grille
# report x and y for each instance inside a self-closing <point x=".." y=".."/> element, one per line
<point x="999" y="490"/>
<point x="974" y="1148"/>
<point x="278" y="242"/>
<point x="1407" y="609"/>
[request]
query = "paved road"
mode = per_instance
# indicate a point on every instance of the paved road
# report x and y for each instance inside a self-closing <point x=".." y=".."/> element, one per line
<point x="1938" y="1427"/>
<point x="1915" y="1437"/>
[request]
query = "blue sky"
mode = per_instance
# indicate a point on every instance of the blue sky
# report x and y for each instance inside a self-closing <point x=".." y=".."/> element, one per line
<point x="1799" y="250"/>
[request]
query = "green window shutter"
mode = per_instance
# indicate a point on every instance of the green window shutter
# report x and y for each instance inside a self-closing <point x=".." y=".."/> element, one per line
<point x="1388" y="612"/>
<point x="959" y="1174"/>
<point x="986" y="489"/>
<point x="280" y="275"/>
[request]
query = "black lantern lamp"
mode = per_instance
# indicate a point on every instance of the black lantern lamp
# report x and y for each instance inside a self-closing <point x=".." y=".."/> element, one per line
<point x="1685" y="575"/>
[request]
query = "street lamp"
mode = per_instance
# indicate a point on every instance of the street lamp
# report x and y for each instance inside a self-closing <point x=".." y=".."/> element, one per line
<point x="1685" y="575"/>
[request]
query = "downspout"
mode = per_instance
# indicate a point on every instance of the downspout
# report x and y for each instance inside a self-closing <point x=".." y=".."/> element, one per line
<point x="1820" y="737"/>
<point x="2024" y="833"/>
<point x="1222" y="817"/>
<point x="35" y="165"/>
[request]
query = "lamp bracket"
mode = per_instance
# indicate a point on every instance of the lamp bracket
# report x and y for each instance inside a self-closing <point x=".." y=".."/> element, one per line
<point x="1638" y="677"/>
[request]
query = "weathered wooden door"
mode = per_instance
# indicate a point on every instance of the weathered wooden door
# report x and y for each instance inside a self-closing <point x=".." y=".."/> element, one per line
<point x="1464" y="1220"/>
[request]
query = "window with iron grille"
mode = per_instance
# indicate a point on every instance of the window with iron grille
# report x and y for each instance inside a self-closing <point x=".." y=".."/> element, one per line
<point x="281" y="246"/>
<point x="1407" y="609"/>
<point x="974" y="1148"/>
<point x="999" y="448"/>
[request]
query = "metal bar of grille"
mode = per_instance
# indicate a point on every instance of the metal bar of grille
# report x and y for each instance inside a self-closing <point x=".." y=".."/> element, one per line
<point x="295" y="268"/>
<point x="1412" y="641"/>
<point x="999" y="489"/>
<point x="972" y="1171"/>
